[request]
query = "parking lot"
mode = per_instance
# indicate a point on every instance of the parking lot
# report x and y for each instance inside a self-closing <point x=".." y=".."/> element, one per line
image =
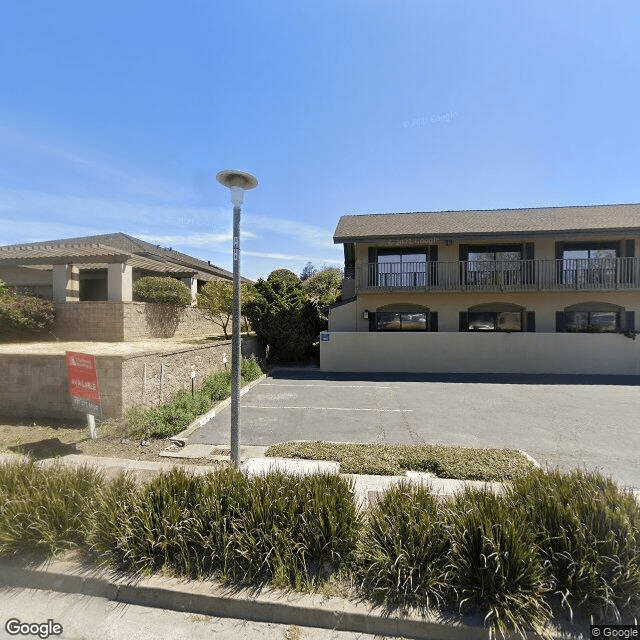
<point x="565" y="421"/>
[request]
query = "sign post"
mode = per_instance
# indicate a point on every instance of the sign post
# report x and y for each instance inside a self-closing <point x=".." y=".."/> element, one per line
<point x="83" y="387"/>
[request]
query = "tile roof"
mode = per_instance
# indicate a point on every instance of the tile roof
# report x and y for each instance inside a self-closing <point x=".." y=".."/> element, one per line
<point x="495" y="222"/>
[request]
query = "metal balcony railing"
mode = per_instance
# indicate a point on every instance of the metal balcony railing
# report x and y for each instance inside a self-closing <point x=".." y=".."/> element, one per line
<point x="597" y="274"/>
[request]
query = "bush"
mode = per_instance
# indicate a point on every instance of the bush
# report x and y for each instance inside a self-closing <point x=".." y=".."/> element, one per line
<point x="162" y="290"/>
<point x="172" y="417"/>
<point x="588" y="532"/>
<point x="278" y="528"/>
<point x="403" y="548"/>
<point x="284" y="318"/>
<point x="493" y="565"/>
<point x="23" y="315"/>
<point x="45" y="511"/>
<point x="294" y="531"/>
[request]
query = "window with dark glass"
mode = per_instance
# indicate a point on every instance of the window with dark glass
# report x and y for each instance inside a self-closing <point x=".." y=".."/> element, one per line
<point x="401" y="321"/>
<point x="398" y="317"/>
<point x="497" y="317"/>
<point x="591" y="264"/>
<point x="395" y="267"/>
<point x="496" y="265"/>
<point x="594" y="317"/>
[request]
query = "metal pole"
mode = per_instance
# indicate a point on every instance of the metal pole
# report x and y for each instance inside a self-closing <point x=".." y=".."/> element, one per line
<point x="235" y="342"/>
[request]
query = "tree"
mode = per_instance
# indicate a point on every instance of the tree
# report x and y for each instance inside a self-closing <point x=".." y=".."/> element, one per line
<point x="325" y="286"/>
<point x="284" y="318"/>
<point x="285" y="274"/>
<point x="308" y="271"/>
<point x="216" y="300"/>
<point x="162" y="290"/>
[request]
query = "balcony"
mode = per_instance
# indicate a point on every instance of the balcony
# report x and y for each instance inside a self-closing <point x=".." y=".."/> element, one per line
<point x="608" y="274"/>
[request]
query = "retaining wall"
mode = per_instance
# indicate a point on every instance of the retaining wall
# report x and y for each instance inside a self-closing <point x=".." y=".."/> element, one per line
<point x="118" y="321"/>
<point x="35" y="386"/>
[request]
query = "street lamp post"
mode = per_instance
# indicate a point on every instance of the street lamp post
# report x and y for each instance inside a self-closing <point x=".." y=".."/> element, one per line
<point x="238" y="182"/>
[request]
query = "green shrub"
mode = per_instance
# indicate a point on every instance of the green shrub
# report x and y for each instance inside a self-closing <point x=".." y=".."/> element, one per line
<point x="161" y="289"/>
<point x="250" y="369"/>
<point x="172" y="417"/>
<point x="588" y="532"/>
<point x="403" y="547"/>
<point x="45" y="511"/>
<point x="23" y="316"/>
<point x="283" y="317"/>
<point x="294" y="531"/>
<point x="493" y="565"/>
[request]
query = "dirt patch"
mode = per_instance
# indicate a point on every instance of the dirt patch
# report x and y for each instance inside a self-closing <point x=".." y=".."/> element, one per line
<point x="51" y="439"/>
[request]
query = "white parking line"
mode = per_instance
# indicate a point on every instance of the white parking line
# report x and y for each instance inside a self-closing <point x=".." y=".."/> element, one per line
<point x="249" y="406"/>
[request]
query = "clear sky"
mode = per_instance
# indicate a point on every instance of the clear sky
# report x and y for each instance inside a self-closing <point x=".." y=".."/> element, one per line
<point x="117" y="116"/>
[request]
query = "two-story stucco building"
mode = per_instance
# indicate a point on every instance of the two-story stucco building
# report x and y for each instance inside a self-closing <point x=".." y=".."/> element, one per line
<point x="550" y="290"/>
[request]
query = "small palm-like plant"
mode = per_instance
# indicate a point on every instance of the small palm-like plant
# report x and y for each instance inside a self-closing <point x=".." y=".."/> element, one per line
<point x="494" y="567"/>
<point x="401" y="555"/>
<point x="45" y="511"/>
<point x="588" y="532"/>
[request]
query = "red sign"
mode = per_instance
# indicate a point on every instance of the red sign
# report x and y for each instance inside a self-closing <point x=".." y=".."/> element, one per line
<point x="83" y="378"/>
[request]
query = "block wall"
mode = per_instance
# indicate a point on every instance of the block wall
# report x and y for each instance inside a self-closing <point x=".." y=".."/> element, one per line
<point x="35" y="386"/>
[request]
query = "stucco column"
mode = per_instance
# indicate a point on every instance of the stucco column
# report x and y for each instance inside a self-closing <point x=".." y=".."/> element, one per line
<point x="192" y="285"/>
<point x="66" y="283"/>
<point x="120" y="282"/>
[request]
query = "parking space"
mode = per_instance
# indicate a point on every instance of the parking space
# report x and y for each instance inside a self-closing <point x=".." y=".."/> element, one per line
<point x="564" y="421"/>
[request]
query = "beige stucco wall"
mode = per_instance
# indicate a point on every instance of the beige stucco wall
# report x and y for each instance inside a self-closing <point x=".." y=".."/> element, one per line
<point x="578" y="353"/>
<point x="348" y="317"/>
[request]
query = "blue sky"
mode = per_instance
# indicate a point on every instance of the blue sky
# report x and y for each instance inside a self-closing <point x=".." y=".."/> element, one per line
<point x="117" y="116"/>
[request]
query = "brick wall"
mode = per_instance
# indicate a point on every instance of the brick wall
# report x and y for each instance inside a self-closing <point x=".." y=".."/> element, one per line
<point x="117" y="321"/>
<point x="35" y="386"/>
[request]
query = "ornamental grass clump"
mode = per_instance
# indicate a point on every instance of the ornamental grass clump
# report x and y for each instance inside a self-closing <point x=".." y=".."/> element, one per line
<point x="45" y="511"/>
<point x="588" y="533"/>
<point x="178" y="522"/>
<point x="295" y="531"/>
<point x="493" y="566"/>
<point x="402" y="550"/>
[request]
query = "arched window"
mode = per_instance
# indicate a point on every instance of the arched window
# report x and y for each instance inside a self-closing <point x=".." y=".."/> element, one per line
<point x="497" y="316"/>
<point x="594" y="317"/>
<point x="403" y="317"/>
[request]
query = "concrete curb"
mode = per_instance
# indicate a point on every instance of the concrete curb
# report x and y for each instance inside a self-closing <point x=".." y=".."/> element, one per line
<point x="181" y="438"/>
<point x="213" y="599"/>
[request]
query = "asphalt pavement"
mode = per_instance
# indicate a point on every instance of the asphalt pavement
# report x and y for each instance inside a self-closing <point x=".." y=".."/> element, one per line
<point x="564" y="421"/>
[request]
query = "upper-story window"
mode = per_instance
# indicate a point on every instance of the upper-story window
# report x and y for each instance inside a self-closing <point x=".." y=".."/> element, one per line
<point x="496" y="265"/>
<point x="595" y="265"/>
<point x="406" y="267"/>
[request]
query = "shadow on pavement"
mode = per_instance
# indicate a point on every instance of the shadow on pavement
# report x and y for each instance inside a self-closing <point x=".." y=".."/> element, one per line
<point x="284" y="373"/>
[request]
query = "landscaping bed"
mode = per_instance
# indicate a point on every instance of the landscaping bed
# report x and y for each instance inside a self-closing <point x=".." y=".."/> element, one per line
<point x="552" y="547"/>
<point x="462" y="463"/>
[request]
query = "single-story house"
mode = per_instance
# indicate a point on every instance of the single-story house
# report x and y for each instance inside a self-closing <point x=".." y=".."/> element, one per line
<point x="90" y="279"/>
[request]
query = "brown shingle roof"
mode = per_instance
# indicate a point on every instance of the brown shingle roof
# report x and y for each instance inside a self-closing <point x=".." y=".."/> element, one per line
<point x="145" y="254"/>
<point x="623" y="217"/>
